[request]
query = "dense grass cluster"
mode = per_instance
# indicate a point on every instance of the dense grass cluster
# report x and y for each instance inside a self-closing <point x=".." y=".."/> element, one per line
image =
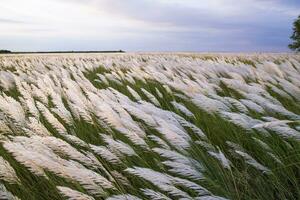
<point x="150" y="126"/>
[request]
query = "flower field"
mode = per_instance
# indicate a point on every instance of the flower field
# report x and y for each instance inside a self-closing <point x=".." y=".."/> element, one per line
<point x="150" y="126"/>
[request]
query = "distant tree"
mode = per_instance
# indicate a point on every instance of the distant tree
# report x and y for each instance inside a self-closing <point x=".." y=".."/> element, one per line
<point x="295" y="46"/>
<point x="4" y="51"/>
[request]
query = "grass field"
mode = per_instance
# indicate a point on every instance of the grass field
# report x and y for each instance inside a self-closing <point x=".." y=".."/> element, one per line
<point x="150" y="126"/>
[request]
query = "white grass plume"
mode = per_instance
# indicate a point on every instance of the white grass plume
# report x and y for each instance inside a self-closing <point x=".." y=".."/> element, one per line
<point x="5" y="194"/>
<point x="71" y="194"/>
<point x="182" y="109"/>
<point x="123" y="197"/>
<point x="135" y="95"/>
<point x="151" y="97"/>
<point x="154" y="195"/>
<point x="7" y="173"/>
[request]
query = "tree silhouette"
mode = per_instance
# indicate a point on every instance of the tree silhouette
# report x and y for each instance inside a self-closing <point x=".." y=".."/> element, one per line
<point x="2" y="51"/>
<point x="295" y="46"/>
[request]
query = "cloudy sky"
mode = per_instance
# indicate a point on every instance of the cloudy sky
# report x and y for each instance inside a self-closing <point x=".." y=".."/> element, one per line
<point x="147" y="25"/>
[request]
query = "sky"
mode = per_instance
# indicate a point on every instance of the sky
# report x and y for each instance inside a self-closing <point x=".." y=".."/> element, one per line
<point x="147" y="25"/>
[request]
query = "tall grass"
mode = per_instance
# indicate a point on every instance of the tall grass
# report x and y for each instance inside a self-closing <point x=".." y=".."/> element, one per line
<point x="156" y="126"/>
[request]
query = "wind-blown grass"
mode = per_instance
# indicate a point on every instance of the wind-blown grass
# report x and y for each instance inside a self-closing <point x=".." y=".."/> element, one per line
<point x="150" y="126"/>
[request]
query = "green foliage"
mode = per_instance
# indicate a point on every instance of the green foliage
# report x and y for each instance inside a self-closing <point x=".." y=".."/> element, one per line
<point x="295" y="46"/>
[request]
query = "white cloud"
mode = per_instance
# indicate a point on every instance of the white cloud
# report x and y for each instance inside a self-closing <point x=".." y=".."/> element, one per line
<point x="192" y="22"/>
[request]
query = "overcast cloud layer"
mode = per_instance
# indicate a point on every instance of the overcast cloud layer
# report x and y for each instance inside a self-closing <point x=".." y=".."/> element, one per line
<point x="147" y="25"/>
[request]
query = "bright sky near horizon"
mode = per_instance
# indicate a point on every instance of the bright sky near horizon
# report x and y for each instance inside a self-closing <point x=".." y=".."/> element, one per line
<point x="147" y="25"/>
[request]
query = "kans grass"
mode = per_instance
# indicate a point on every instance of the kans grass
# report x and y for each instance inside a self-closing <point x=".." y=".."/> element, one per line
<point x="150" y="126"/>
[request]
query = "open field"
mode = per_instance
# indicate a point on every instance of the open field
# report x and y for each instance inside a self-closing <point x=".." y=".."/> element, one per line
<point x="150" y="126"/>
